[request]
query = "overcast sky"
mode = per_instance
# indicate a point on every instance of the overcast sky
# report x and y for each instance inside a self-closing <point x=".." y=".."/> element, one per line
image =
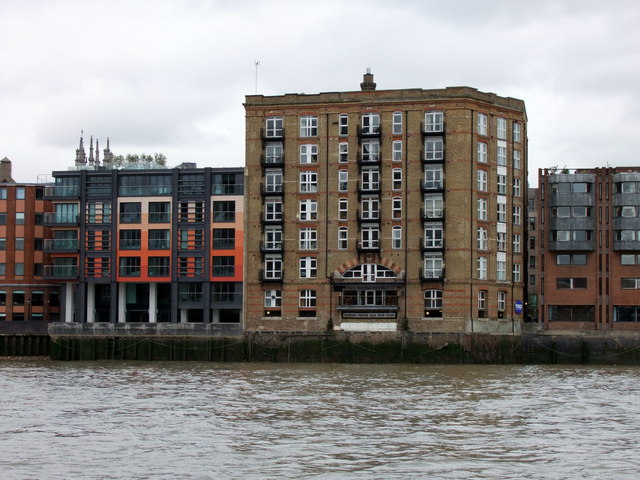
<point x="171" y="76"/>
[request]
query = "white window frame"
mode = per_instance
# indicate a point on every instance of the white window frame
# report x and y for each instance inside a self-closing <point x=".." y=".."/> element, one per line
<point x="308" y="267"/>
<point x="309" y="126"/>
<point x="370" y="208"/>
<point x="482" y="209"/>
<point x="272" y="266"/>
<point x="308" y="181"/>
<point x="501" y="128"/>
<point x="273" y="209"/>
<point x="517" y="132"/>
<point x="273" y="180"/>
<point x="483" y="150"/>
<point x="502" y="184"/>
<point x="433" y="149"/>
<point x="482" y="124"/>
<point x="308" y="238"/>
<point x="483" y="238"/>
<point x="272" y="298"/>
<point x="396" y="237"/>
<point x="307" y="298"/>
<point x="482" y="268"/>
<point x="482" y="300"/>
<point x="274" y="127"/>
<point x="433" y="205"/>
<point x="434" y="121"/>
<point x="433" y="235"/>
<point x="483" y="176"/>
<point x="343" y="124"/>
<point x="343" y="180"/>
<point x="515" y="155"/>
<point x="343" y="152"/>
<point x="309" y="153"/>
<point x="343" y="208"/>
<point x="502" y="301"/>
<point x="501" y="155"/>
<point x="517" y="272"/>
<point x="502" y="212"/>
<point x="433" y="265"/>
<point x="370" y="236"/>
<point x="396" y="148"/>
<point x="502" y="241"/>
<point x="516" y="187"/>
<point x="397" y="123"/>
<point x="370" y="123"/>
<point x="433" y="299"/>
<point x="273" y="236"/>
<point x="517" y="243"/>
<point x="343" y="238"/>
<point x="370" y="179"/>
<point x="370" y="150"/>
<point x="396" y="179"/>
<point x="433" y="177"/>
<point x="396" y="208"/>
<point x="501" y="270"/>
<point x="308" y="210"/>
<point x="517" y="215"/>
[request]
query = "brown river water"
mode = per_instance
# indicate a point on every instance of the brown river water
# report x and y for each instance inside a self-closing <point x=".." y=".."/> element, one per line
<point x="316" y="421"/>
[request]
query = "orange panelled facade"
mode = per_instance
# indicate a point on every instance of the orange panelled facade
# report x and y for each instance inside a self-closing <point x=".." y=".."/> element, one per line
<point x="155" y="245"/>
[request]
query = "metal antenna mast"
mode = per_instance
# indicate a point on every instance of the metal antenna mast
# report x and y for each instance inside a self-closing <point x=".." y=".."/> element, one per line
<point x="257" y="63"/>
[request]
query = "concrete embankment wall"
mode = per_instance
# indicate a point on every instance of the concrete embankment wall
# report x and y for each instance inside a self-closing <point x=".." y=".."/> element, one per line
<point x="226" y="343"/>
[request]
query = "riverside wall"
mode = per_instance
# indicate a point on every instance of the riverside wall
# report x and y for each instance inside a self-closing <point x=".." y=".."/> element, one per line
<point x="227" y="343"/>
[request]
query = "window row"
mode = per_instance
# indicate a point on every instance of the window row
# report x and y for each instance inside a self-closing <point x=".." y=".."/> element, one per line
<point x="35" y="299"/>
<point x="501" y="303"/>
<point x="221" y="266"/>
<point x="369" y="124"/>
<point x="501" y="127"/>
<point x="222" y="238"/>
<point x="482" y="183"/>
<point x="501" y="211"/>
<point x="500" y="240"/>
<point x="501" y="270"/>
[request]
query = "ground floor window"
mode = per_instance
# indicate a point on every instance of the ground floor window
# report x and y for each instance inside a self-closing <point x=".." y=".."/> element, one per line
<point x="626" y="313"/>
<point x="433" y="303"/>
<point x="572" y="313"/>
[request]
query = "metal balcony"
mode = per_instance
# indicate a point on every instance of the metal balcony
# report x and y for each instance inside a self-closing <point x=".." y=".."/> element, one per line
<point x="273" y="276"/>
<point x="431" y="275"/>
<point x="60" y="245"/>
<point x="272" y="161"/>
<point x="59" y="219"/>
<point x="372" y="246"/>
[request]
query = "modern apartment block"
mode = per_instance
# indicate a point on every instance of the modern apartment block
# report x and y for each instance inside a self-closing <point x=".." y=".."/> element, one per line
<point x="382" y="210"/>
<point x="25" y="295"/>
<point x="147" y="245"/>
<point x="588" y="250"/>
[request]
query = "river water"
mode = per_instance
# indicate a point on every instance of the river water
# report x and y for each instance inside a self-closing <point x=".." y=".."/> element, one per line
<point x="316" y="421"/>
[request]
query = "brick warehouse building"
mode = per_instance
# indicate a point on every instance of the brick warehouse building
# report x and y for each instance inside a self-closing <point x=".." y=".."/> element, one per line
<point x="588" y="250"/>
<point x="25" y="295"/>
<point x="382" y="210"/>
<point x="147" y="244"/>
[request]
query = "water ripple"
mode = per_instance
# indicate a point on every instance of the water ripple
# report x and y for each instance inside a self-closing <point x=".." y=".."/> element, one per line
<point x="257" y="421"/>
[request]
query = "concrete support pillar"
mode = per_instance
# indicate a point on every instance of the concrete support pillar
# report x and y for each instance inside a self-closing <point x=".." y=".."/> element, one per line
<point x="153" y="302"/>
<point x="69" y="303"/>
<point x="91" y="303"/>
<point x="122" y="302"/>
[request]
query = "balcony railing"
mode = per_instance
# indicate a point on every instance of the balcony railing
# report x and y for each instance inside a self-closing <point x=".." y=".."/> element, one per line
<point x="272" y="189"/>
<point x="368" y="246"/>
<point x="436" y="156"/>
<point x="271" y="275"/>
<point x="58" y="218"/>
<point x="228" y="189"/>
<point x="62" y="191"/>
<point x="60" y="245"/>
<point x="431" y="274"/>
<point x="271" y="247"/>
<point x="272" y="161"/>
<point x="144" y="190"/>
<point x="369" y="158"/>
<point x="272" y="134"/>
<point x="369" y="187"/>
<point x="432" y="185"/>
<point x="61" y="271"/>
<point x="431" y="245"/>
<point x="432" y="214"/>
<point x="368" y="215"/>
<point x="369" y="131"/>
<point x="433" y="128"/>
<point x="129" y="270"/>
<point x="274" y="219"/>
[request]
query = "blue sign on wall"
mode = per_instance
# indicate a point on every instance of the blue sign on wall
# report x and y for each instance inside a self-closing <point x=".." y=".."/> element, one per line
<point x="518" y="307"/>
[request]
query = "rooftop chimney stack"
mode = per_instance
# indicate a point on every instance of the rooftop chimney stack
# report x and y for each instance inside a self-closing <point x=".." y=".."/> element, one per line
<point x="5" y="171"/>
<point x="368" y="85"/>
